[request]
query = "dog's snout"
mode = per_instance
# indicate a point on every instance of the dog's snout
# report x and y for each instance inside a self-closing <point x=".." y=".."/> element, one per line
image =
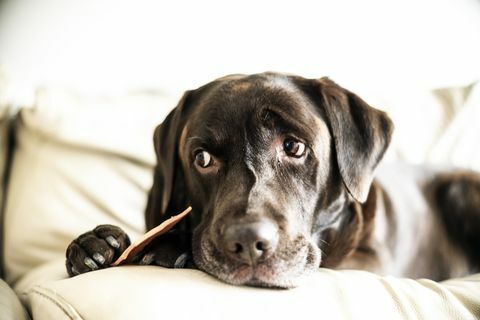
<point x="251" y="242"/>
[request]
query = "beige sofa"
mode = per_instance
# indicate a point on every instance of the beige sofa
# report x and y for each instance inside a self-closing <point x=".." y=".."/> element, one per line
<point x="80" y="161"/>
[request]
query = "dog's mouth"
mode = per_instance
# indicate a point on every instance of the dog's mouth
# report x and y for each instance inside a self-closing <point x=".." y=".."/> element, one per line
<point x="265" y="274"/>
<point x="283" y="269"/>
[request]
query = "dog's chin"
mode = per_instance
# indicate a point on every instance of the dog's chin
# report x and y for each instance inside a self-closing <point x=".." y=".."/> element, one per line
<point x="263" y="275"/>
<point x="275" y="272"/>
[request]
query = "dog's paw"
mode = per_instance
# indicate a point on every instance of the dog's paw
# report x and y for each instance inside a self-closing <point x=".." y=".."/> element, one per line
<point x="96" y="249"/>
<point x="172" y="250"/>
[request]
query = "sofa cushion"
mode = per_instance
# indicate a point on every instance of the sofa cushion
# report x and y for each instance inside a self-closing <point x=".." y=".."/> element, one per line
<point x="457" y="140"/>
<point x="436" y="127"/>
<point x="151" y="292"/>
<point x="78" y="162"/>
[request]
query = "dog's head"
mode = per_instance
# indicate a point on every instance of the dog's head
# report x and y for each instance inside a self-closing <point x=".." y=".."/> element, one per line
<point x="271" y="163"/>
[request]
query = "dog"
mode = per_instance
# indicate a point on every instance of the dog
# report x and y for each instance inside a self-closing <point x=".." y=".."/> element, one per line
<point x="280" y="170"/>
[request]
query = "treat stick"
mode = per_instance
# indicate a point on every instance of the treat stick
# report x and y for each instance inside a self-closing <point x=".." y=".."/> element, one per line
<point x="144" y="240"/>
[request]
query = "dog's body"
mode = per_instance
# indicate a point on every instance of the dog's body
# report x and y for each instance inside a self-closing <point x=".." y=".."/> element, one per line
<point x="407" y="236"/>
<point x="280" y="172"/>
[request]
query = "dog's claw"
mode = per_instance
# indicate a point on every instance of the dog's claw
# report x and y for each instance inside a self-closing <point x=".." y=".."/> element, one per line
<point x="181" y="260"/>
<point x="112" y="242"/>
<point x="74" y="271"/>
<point x="90" y="263"/>
<point x="98" y="258"/>
<point x="147" y="259"/>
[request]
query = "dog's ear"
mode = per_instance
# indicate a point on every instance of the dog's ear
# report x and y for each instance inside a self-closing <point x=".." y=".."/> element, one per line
<point x="167" y="194"/>
<point x="361" y="135"/>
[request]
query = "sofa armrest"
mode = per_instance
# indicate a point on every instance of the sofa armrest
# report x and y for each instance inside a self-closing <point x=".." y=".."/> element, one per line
<point x="148" y="292"/>
<point x="10" y="306"/>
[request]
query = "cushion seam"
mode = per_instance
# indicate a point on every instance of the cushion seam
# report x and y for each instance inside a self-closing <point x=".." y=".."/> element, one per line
<point x="57" y="300"/>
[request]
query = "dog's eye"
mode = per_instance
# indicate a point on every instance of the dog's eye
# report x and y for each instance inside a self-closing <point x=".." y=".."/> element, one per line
<point x="203" y="159"/>
<point x="293" y="148"/>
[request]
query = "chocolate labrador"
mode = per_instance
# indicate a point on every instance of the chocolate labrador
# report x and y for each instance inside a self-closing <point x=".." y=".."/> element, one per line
<point x="279" y="171"/>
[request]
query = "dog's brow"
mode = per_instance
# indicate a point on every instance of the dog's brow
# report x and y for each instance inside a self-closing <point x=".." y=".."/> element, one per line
<point x="211" y="144"/>
<point x="296" y="122"/>
<point x="196" y="140"/>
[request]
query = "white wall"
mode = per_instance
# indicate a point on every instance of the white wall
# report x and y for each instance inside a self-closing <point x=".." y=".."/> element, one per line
<point x="104" y="46"/>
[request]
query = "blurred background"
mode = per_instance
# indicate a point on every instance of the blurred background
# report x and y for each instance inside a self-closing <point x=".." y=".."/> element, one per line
<point x="104" y="46"/>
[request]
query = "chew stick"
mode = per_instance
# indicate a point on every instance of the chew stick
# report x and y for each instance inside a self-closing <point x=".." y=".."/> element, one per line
<point x="144" y="240"/>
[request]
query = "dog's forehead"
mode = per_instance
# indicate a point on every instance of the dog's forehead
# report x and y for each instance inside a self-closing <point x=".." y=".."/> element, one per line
<point x="267" y="83"/>
<point x="237" y="97"/>
<point x="282" y="83"/>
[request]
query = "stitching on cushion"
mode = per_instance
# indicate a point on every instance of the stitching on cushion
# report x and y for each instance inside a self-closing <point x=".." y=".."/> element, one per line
<point x="59" y="301"/>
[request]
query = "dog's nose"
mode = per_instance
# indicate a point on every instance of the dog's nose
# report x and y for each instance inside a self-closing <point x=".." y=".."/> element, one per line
<point x="251" y="242"/>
